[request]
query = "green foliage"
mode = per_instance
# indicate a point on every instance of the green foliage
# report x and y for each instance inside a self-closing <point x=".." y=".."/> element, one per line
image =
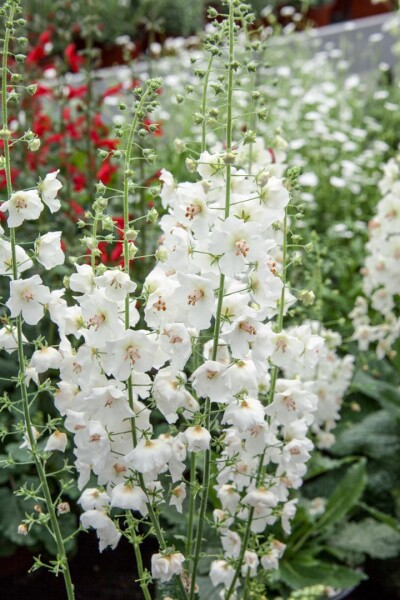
<point x="368" y="537"/>
<point x="346" y="495"/>
<point x="305" y="570"/>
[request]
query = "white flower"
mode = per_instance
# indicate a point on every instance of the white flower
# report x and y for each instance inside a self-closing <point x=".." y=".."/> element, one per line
<point x="48" y="189"/>
<point x="83" y="280"/>
<point x="222" y="572"/>
<point x="165" y="566"/>
<point x="27" y="443"/>
<point x="48" y="249"/>
<point x="6" y="261"/>
<point x="149" y="456"/>
<point x="228" y="497"/>
<point x="231" y="543"/>
<point x="22" y="206"/>
<point x="178" y="494"/>
<point x="239" y="242"/>
<point x="271" y="559"/>
<point x="250" y="564"/>
<point x="208" y="381"/>
<point x="134" y="350"/>
<point x="130" y="497"/>
<point x="45" y="358"/>
<point x="9" y="339"/>
<point x="93" y="498"/>
<point x="288" y="512"/>
<point x="57" y="441"/>
<point x="244" y="414"/>
<point x="106" y="531"/>
<point x="196" y="296"/>
<point x="198" y="438"/>
<point x="116" y="284"/>
<point x="28" y="296"/>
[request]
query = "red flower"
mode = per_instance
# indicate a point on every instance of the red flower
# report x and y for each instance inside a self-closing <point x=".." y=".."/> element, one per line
<point x="111" y="91"/>
<point x="105" y="172"/>
<point x="159" y="132"/>
<point x="74" y="60"/>
<point x="35" y="55"/>
<point x="77" y="92"/>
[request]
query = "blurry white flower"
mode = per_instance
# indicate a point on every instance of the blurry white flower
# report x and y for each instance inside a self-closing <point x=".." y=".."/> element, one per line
<point x="48" y="189"/>
<point x="22" y="206"/>
<point x="48" y="249"/>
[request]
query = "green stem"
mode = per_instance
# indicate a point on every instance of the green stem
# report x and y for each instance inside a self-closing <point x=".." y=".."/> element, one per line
<point x="40" y="467"/>
<point x="192" y="500"/>
<point x="217" y="325"/>
<point x="139" y="562"/>
<point x="204" y="105"/>
<point x="91" y="166"/>
<point x="192" y="503"/>
<point x="128" y="157"/>
<point x="274" y="376"/>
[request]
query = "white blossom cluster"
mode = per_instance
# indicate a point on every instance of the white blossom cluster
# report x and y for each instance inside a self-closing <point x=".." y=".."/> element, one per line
<point x="329" y="380"/>
<point x="381" y="277"/>
<point x="112" y="373"/>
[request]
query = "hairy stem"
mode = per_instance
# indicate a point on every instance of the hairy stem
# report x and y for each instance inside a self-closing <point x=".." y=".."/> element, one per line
<point x="127" y="165"/>
<point x="217" y="325"/>
<point x="274" y="376"/>
<point x="39" y="463"/>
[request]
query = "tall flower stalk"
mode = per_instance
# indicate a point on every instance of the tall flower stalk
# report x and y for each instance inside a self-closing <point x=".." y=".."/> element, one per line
<point x="10" y="11"/>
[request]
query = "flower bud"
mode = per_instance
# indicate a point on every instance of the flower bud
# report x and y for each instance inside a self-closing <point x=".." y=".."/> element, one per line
<point x="34" y="145"/>
<point x="307" y="297"/>
<point x="191" y="165"/>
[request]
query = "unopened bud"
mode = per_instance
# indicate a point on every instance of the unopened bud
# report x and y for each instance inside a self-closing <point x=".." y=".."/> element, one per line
<point x="229" y="158"/>
<point x="34" y="145"/>
<point x="131" y="234"/>
<point x="162" y="254"/>
<point x="191" y="165"/>
<point x="5" y="134"/>
<point x="132" y="251"/>
<point x="307" y="297"/>
<point x="179" y="145"/>
<point x="152" y="216"/>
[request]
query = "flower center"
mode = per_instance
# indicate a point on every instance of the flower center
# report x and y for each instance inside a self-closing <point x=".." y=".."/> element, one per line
<point x="160" y="304"/>
<point x="242" y="248"/>
<point x="195" y="296"/>
<point x="132" y="354"/>
<point x="281" y="345"/>
<point x="289" y="403"/>
<point x="119" y="468"/>
<point x="192" y="210"/>
<point x="272" y="267"/>
<point x="20" y="202"/>
<point x="211" y="374"/>
<point x="96" y="321"/>
<point x="248" y="327"/>
<point x="27" y="295"/>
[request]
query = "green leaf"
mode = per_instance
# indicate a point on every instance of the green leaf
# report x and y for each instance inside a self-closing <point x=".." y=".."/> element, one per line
<point x="387" y="394"/>
<point x="368" y="536"/>
<point x="319" y="464"/>
<point x="377" y="436"/>
<point x="345" y="496"/>
<point x="305" y="570"/>
<point x="381" y="516"/>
